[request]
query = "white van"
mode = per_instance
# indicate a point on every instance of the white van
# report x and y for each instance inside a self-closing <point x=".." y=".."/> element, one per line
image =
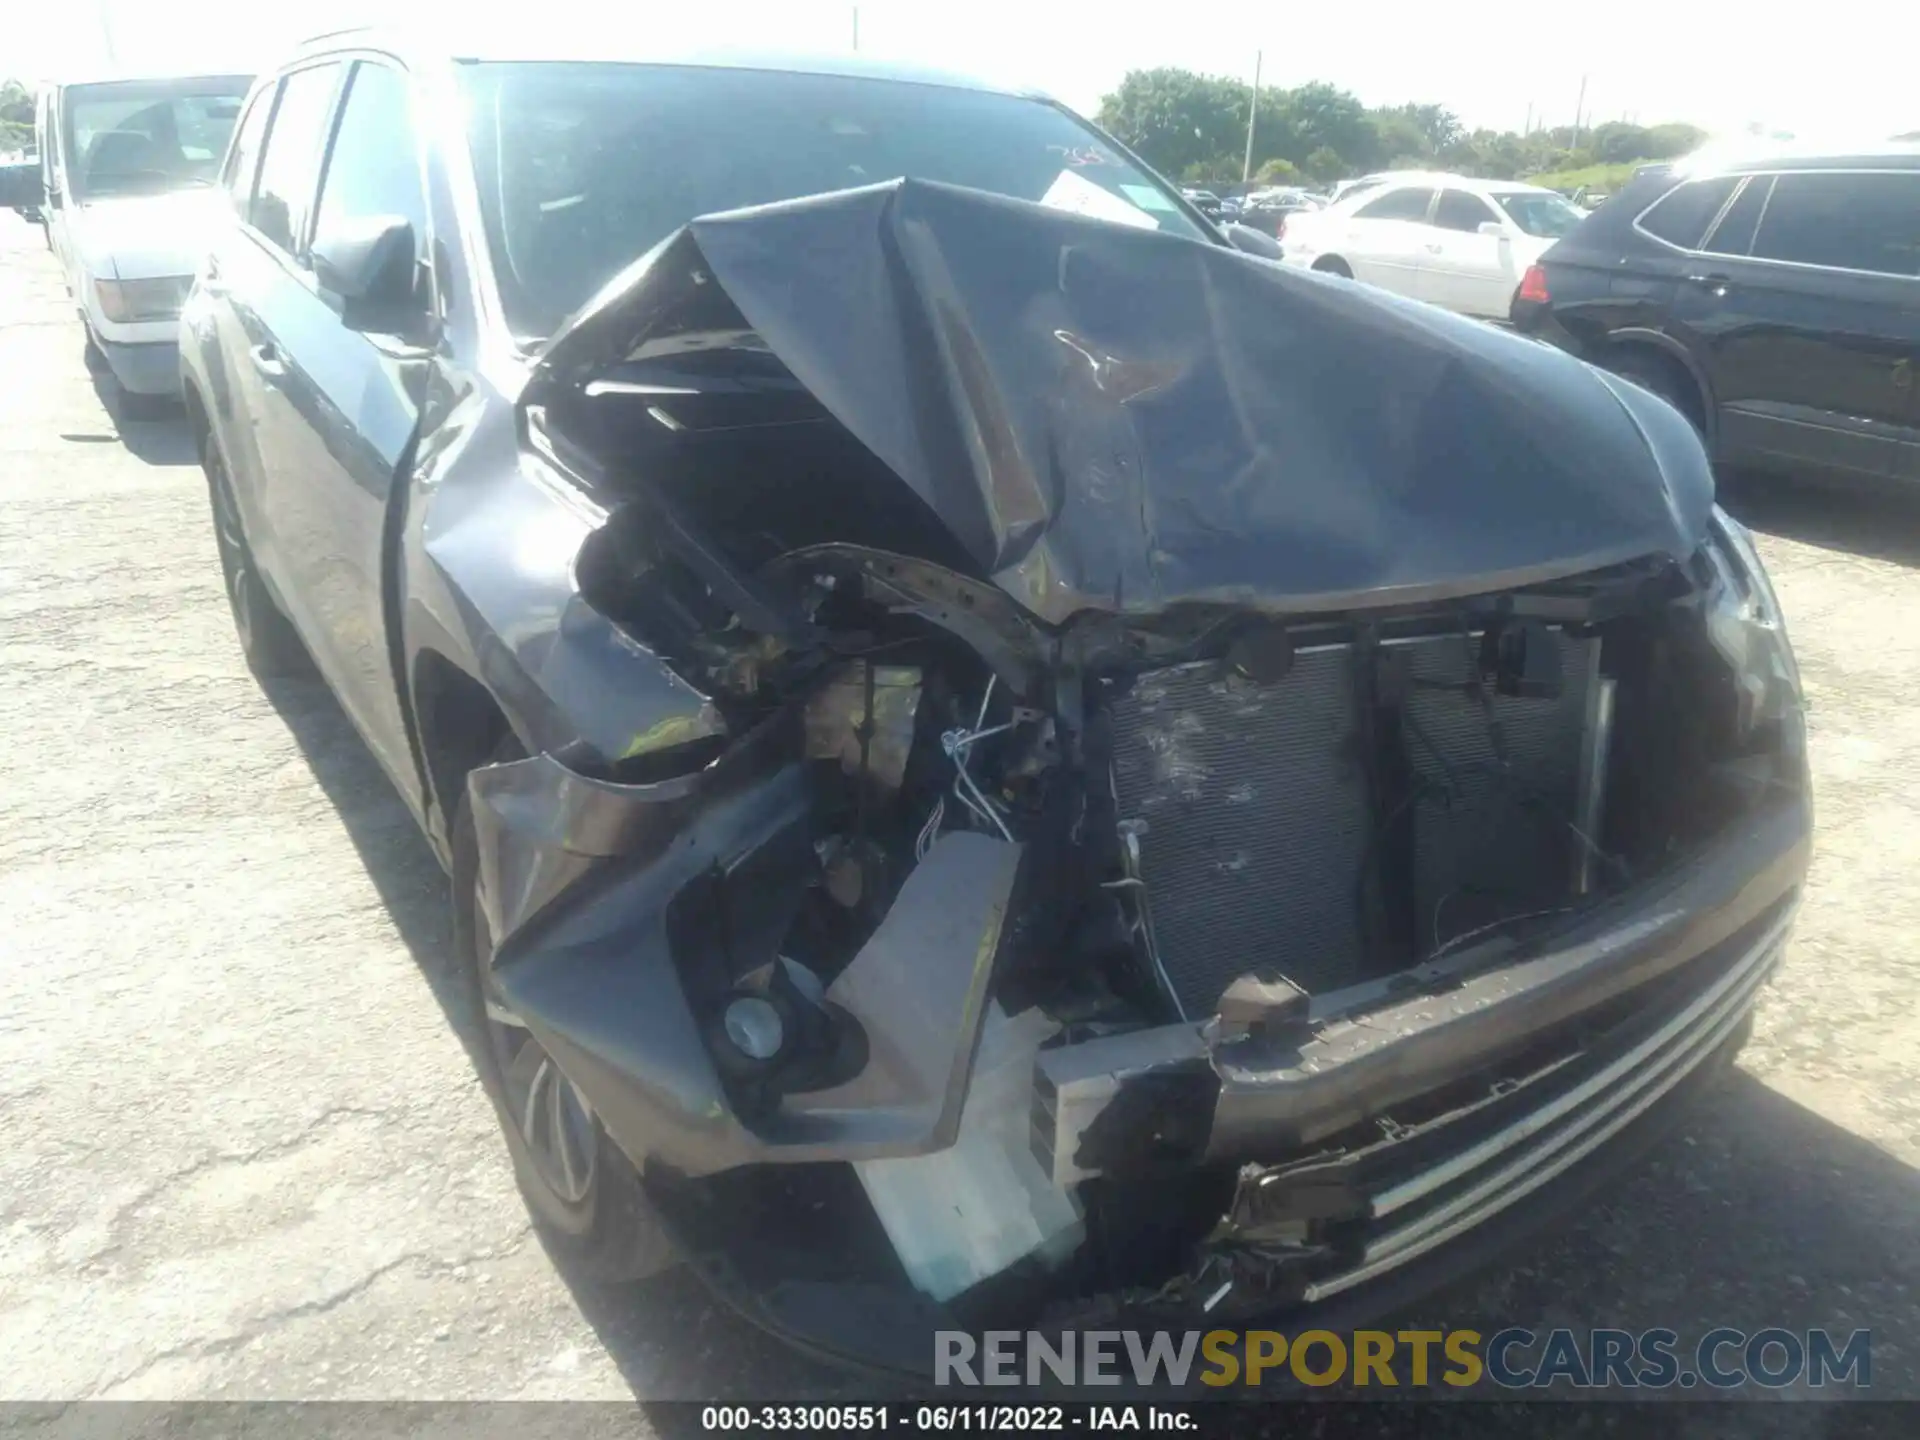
<point x="129" y="175"/>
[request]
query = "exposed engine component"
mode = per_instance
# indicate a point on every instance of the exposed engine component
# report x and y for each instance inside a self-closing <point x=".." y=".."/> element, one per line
<point x="863" y="717"/>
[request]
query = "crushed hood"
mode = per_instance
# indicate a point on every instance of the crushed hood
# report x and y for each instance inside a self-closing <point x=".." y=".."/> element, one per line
<point x="1110" y="418"/>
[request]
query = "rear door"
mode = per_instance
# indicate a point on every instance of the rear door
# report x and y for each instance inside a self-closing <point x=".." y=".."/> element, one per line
<point x="257" y="271"/>
<point x="221" y="336"/>
<point x="344" y="407"/>
<point x="1384" y="240"/>
<point x="1805" y="301"/>
<point x="1464" y="270"/>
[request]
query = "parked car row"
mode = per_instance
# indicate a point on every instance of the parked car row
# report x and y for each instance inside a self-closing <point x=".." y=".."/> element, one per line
<point x="1458" y="243"/>
<point x="125" y="187"/>
<point x="1001" y="756"/>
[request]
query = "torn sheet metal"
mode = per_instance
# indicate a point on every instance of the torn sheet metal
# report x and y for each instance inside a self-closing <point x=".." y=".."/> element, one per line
<point x="596" y="978"/>
<point x="1110" y="418"/>
<point x="918" y="988"/>
<point x="539" y="826"/>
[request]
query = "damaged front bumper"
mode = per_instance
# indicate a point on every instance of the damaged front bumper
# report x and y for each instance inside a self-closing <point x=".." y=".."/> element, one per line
<point x="1371" y="1128"/>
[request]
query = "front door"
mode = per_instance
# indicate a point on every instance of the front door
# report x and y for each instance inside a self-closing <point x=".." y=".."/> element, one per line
<point x="341" y="412"/>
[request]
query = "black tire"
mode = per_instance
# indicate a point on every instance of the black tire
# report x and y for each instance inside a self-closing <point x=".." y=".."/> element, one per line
<point x="267" y="638"/>
<point x="1663" y="376"/>
<point x="1333" y="265"/>
<point x="584" y="1195"/>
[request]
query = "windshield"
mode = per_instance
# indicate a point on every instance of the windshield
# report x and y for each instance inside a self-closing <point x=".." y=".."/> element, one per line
<point x="582" y="167"/>
<point x="1548" y="216"/>
<point x="150" y="136"/>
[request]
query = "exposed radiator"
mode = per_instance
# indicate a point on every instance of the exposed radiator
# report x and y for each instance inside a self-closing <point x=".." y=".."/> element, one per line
<point x="1255" y="819"/>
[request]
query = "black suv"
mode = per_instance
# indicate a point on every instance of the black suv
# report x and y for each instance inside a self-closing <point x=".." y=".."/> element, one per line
<point x="1775" y="302"/>
<point x="829" y="553"/>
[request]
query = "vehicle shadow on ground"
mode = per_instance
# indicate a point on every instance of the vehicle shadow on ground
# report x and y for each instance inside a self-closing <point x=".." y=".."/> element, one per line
<point x="1880" y="524"/>
<point x="1755" y="1213"/>
<point x="667" y="1335"/>
<point x="159" y="436"/>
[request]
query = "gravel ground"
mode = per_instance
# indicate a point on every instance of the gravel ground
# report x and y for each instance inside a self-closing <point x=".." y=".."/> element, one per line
<point x="242" y="1152"/>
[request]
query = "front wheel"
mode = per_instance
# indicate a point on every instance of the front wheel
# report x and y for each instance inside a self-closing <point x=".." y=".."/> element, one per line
<point x="267" y="638"/>
<point x="1333" y="265"/>
<point x="583" y="1193"/>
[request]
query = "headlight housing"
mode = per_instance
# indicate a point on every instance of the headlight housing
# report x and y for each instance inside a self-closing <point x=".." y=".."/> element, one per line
<point x="129" y="302"/>
<point x="1745" y="624"/>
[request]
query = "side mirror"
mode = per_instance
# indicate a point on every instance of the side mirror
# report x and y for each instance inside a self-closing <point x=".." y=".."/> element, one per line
<point x="20" y="186"/>
<point x="1493" y="228"/>
<point x="367" y="272"/>
<point x="1252" y="241"/>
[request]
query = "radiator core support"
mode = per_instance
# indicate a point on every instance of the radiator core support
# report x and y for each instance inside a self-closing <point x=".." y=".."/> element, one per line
<point x="1253" y="814"/>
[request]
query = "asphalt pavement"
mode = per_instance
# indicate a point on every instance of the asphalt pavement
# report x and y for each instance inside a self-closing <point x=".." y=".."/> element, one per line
<point x="243" y="1153"/>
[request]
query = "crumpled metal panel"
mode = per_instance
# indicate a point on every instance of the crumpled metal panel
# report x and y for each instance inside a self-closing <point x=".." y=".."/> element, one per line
<point x="588" y="964"/>
<point x="1110" y="418"/>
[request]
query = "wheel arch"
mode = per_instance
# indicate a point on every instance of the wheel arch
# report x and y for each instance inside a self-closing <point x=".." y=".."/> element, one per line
<point x="460" y="724"/>
<point x="1676" y="357"/>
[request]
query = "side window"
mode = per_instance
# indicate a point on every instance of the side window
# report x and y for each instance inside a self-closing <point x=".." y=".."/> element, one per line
<point x="374" y="168"/>
<point x="243" y="159"/>
<point x="290" y="168"/>
<point x="1460" y="211"/>
<point x="1397" y="205"/>
<point x="1844" y="221"/>
<point x="1734" y="234"/>
<point x="1682" y="215"/>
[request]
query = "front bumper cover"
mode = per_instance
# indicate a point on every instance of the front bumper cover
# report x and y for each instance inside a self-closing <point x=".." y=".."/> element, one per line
<point x="149" y="368"/>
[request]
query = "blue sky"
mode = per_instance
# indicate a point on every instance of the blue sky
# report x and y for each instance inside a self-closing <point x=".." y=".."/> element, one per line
<point x="1851" y="76"/>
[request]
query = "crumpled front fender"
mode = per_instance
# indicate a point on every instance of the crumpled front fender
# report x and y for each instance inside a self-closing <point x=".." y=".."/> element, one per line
<point x="576" y="878"/>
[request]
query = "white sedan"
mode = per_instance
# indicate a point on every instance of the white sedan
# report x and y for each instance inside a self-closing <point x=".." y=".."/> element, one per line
<point x="1458" y="243"/>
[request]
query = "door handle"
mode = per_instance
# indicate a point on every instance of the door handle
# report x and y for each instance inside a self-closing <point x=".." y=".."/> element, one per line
<point x="266" y="359"/>
<point x="1433" y="248"/>
<point x="1715" y="285"/>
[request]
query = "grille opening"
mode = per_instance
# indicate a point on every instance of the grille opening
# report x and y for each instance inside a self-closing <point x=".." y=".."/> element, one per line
<point x="1388" y="801"/>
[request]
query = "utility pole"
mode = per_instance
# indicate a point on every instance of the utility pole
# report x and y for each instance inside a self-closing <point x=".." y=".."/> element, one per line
<point x="1529" y="130"/>
<point x="1253" y="110"/>
<point x="856" y="27"/>
<point x="106" y="35"/>
<point x="1579" y="106"/>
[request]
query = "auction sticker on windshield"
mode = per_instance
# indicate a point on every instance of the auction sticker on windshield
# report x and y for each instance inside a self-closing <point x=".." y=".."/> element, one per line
<point x="1075" y="193"/>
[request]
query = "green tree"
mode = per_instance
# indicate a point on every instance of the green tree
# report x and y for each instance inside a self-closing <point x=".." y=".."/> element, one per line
<point x="16" y="116"/>
<point x="1176" y="119"/>
<point x="1325" y="164"/>
<point x="1437" y="126"/>
<point x="1671" y="141"/>
<point x="1195" y="127"/>
<point x="1277" y="171"/>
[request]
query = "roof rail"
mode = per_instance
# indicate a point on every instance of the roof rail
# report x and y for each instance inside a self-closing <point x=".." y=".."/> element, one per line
<point x="335" y="34"/>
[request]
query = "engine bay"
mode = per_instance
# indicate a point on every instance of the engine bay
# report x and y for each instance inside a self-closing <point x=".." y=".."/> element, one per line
<point x="1157" y="869"/>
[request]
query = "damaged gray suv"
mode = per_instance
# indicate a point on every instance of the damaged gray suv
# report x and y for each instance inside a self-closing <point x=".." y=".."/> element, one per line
<point x="1002" y="761"/>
